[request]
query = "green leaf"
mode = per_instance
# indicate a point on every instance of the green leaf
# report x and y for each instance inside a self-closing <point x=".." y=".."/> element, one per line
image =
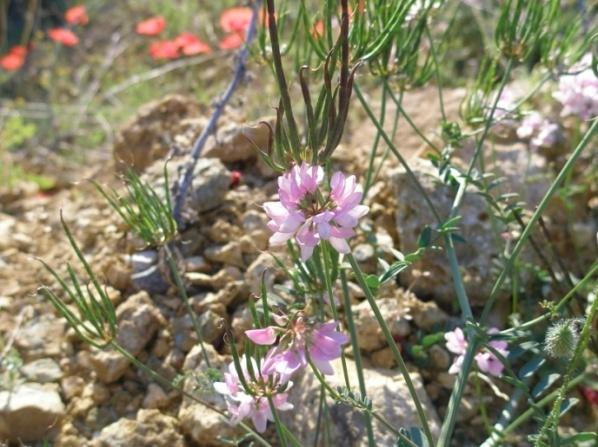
<point x="544" y="384"/>
<point x="531" y="367"/>
<point x="425" y="237"/>
<point x="579" y="438"/>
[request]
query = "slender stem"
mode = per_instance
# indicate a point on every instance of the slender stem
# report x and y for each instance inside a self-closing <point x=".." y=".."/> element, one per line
<point x="238" y="75"/>
<point x="393" y="347"/>
<point x="498" y="435"/>
<point x="167" y="383"/>
<point x="282" y="82"/>
<point x="324" y="268"/>
<point x="183" y="293"/>
<point x="480" y="143"/>
<point x="397" y="154"/>
<point x="436" y="71"/>
<point x="552" y="422"/>
<point x="356" y="353"/>
<point x="374" y="150"/>
<point x="412" y="124"/>
<point x="536" y="215"/>
<point x="457" y="279"/>
<point x="563" y="302"/>
<point x="277" y="423"/>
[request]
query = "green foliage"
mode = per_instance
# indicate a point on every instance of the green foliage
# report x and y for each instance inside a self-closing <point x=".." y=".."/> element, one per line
<point x="95" y="322"/>
<point x="147" y="214"/>
<point x="15" y="132"/>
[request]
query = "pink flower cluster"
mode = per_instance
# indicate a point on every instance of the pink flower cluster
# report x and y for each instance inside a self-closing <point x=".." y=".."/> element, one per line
<point x="321" y="343"/>
<point x="310" y="213"/>
<point x="253" y="402"/>
<point x="539" y="131"/>
<point x="486" y="360"/>
<point x="578" y="93"/>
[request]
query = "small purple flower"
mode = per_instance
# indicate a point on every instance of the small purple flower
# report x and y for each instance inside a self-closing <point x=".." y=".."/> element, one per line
<point x="310" y="214"/>
<point x="578" y="93"/>
<point x="241" y="404"/>
<point x="539" y="131"/>
<point x="486" y="360"/>
<point x="322" y="342"/>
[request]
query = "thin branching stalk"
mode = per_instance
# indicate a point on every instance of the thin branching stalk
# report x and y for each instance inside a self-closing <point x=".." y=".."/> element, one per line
<point x="423" y="419"/>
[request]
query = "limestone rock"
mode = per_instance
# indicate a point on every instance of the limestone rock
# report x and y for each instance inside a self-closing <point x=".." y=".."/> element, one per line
<point x="42" y="336"/>
<point x="144" y="138"/>
<point x="200" y="424"/>
<point x="235" y="142"/>
<point x="30" y="412"/>
<point x="138" y="319"/>
<point x="42" y="371"/>
<point x="149" y="428"/>
<point x="386" y="389"/>
<point x="155" y="397"/>
<point x="211" y="182"/>
<point x="369" y="334"/>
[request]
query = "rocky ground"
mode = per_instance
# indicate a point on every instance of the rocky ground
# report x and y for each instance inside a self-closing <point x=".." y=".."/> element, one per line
<point x="56" y="387"/>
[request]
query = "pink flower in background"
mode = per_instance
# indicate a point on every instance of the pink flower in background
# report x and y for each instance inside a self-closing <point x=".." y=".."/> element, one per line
<point x="578" y="93"/>
<point x="243" y="405"/>
<point x="151" y="27"/>
<point x="486" y="360"/>
<point x="63" y="36"/>
<point x="322" y="342"/>
<point x="309" y="214"/>
<point x="539" y="131"/>
<point x="77" y="15"/>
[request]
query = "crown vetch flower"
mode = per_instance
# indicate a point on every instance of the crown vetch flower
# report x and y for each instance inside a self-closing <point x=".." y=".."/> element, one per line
<point x="578" y="93"/>
<point x="63" y="36"/>
<point x="539" y="131"/>
<point x="77" y="15"/>
<point x="236" y="20"/>
<point x="321" y="341"/>
<point x="486" y="360"/>
<point x="253" y="402"/>
<point x="151" y="27"/>
<point x="308" y="213"/>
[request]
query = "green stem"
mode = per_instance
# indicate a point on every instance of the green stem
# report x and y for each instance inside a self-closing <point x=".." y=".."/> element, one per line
<point x="374" y="150"/>
<point x="277" y="423"/>
<point x="183" y="293"/>
<point x="562" y="303"/>
<point x="393" y="347"/>
<point x="500" y="433"/>
<point x="356" y="353"/>
<point x="535" y="217"/>
<point x="436" y="71"/>
<point x="394" y="150"/>
<point x="552" y="422"/>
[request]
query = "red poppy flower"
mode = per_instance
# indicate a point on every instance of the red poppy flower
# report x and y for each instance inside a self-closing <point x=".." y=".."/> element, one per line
<point x="63" y="36"/>
<point x="196" y="48"/>
<point x="164" y="49"/>
<point x="14" y="59"/>
<point x="151" y="27"/>
<point x="318" y="29"/>
<point x="231" y="42"/>
<point x="77" y="15"/>
<point x="236" y="20"/>
<point x="235" y="178"/>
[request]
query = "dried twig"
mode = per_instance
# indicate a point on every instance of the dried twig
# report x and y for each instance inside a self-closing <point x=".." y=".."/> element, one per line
<point x="238" y="75"/>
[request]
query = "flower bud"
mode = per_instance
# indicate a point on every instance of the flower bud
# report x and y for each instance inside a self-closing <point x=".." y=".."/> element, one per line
<point x="562" y="338"/>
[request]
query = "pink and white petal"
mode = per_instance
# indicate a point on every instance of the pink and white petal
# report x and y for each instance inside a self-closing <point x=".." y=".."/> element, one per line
<point x="340" y="245"/>
<point x="265" y="336"/>
<point x="279" y="238"/>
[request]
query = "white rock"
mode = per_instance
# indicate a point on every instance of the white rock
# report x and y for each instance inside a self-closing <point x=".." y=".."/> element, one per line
<point x="30" y="412"/>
